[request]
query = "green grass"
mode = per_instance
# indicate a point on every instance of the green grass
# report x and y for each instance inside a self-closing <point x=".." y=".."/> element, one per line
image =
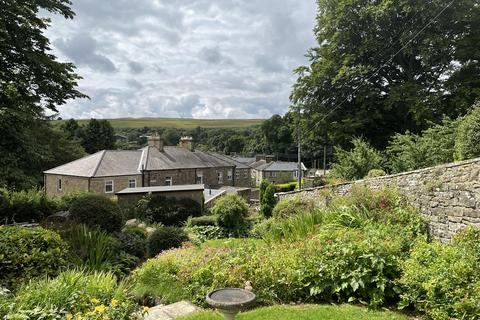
<point x="180" y="123"/>
<point x="306" y="312"/>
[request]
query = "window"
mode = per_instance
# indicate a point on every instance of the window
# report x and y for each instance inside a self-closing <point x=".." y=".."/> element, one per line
<point x="132" y="183"/>
<point x="230" y="175"/>
<point x="237" y="174"/>
<point x="245" y="173"/>
<point x="199" y="178"/>
<point x="109" y="186"/>
<point x="59" y="184"/>
<point x="273" y="174"/>
<point x="295" y="174"/>
<point x="220" y="177"/>
<point x="168" y="181"/>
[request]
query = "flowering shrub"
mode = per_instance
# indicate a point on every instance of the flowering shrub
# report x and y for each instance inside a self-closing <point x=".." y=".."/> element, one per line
<point x="75" y="295"/>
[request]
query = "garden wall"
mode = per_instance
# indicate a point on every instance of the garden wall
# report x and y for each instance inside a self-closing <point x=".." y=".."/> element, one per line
<point x="448" y="196"/>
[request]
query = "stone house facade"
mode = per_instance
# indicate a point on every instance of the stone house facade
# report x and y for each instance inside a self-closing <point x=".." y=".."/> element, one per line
<point x="275" y="172"/>
<point x="109" y="171"/>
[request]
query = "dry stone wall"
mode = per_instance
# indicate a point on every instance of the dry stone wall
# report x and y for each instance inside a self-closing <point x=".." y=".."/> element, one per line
<point x="448" y="196"/>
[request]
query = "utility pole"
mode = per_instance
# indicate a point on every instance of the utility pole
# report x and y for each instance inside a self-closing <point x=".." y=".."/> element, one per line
<point x="299" y="160"/>
<point x="325" y="155"/>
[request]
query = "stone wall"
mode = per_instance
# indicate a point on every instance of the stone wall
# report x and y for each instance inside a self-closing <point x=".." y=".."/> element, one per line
<point x="69" y="184"/>
<point x="448" y="196"/>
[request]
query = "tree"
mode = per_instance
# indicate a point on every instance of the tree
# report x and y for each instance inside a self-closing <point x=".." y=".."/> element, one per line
<point x="31" y="82"/>
<point x="467" y="141"/>
<point x="278" y="134"/>
<point x="268" y="201"/>
<point x="72" y="128"/>
<point x="357" y="162"/>
<point x="344" y="91"/>
<point x="234" y="144"/>
<point x="31" y="79"/>
<point x="98" y="135"/>
<point x="432" y="147"/>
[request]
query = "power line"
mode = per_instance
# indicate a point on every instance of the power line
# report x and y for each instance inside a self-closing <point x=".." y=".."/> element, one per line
<point x="364" y="83"/>
<point x="383" y="65"/>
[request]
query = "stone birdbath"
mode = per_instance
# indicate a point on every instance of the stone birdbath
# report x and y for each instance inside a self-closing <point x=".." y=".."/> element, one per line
<point x="230" y="301"/>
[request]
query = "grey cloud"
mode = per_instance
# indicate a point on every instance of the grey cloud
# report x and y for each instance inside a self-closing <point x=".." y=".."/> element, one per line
<point x="268" y="63"/>
<point x="184" y="58"/>
<point x="214" y="56"/>
<point x="82" y="49"/>
<point x="135" y="67"/>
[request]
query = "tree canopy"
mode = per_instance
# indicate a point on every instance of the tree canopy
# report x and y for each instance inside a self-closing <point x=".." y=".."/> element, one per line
<point x="430" y="67"/>
<point x="32" y="82"/>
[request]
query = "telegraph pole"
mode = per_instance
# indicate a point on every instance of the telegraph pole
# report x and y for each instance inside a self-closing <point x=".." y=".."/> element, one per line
<point x="299" y="160"/>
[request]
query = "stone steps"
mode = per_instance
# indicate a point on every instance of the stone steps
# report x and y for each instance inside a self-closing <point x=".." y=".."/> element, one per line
<point x="171" y="311"/>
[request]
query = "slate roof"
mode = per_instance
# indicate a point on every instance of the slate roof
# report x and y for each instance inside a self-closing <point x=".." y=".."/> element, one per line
<point x="104" y="163"/>
<point x="108" y="163"/>
<point x="231" y="160"/>
<point x="262" y="165"/>
<point x="283" y="166"/>
<point x="179" y="158"/>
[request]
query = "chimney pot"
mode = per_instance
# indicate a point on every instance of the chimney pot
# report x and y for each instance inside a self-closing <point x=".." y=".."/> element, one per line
<point x="155" y="141"/>
<point x="186" y="142"/>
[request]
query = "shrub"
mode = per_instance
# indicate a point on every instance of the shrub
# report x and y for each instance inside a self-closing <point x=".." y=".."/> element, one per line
<point x="202" y="221"/>
<point x="231" y="211"/>
<point x="432" y="147"/>
<point x="467" y="141"/>
<point x="97" y="211"/>
<point x="165" y="238"/>
<point x="356" y="163"/>
<point x="376" y="173"/>
<point x="286" y="187"/>
<point x="167" y="211"/>
<point x="25" y="206"/>
<point x="26" y="253"/>
<point x="444" y="280"/>
<point x="75" y="295"/>
<point x="318" y="256"/>
<point x="268" y="201"/>
<point x="291" y="207"/>
<point x="354" y="264"/>
<point x="201" y="233"/>
<point x="133" y="240"/>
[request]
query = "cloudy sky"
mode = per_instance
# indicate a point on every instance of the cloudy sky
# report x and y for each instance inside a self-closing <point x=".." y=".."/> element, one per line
<point x="184" y="58"/>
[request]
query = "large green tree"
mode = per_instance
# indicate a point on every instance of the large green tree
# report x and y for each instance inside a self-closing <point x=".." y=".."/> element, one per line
<point x="387" y="66"/>
<point x="32" y="81"/>
<point x="98" y="135"/>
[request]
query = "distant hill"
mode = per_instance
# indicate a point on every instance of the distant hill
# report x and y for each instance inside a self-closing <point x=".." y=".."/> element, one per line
<point x="180" y="123"/>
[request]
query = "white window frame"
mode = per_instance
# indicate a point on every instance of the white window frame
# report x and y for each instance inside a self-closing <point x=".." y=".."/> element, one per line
<point x="237" y="174"/>
<point x="220" y="177"/>
<point x="245" y="173"/>
<point x="168" y="181"/>
<point x="134" y="183"/>
<point x="229" y="174"/>
<point x="108" y="182"/>
<point x="59" y="184"/>
<point x="295" y="174"/>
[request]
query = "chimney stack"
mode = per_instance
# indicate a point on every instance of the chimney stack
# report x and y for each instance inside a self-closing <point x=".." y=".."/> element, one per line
<point x="155" y="141"/>
<point x="186" y="142"/>
<point x="269" y="158"/>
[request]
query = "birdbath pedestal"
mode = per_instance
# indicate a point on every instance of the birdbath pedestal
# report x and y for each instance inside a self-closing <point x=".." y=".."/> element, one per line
<point x="230" y="301"/>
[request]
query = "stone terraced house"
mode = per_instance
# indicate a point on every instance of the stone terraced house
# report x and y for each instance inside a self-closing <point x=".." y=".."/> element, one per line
<point x="109" y="171"/>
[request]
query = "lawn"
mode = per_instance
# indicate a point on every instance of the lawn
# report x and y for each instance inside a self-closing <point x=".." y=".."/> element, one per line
<point x="180" y="123"/>
<point x="306" y="312"/>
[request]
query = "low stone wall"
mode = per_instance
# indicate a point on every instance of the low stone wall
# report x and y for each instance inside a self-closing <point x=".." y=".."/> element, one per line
<point x="448" y="196"/>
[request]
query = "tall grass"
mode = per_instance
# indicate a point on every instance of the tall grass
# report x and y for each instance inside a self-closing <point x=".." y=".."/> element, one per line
<point x="91" y="248"/>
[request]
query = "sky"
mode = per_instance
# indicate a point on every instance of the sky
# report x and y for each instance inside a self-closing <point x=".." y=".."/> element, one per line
<point x="184" y="58"/>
